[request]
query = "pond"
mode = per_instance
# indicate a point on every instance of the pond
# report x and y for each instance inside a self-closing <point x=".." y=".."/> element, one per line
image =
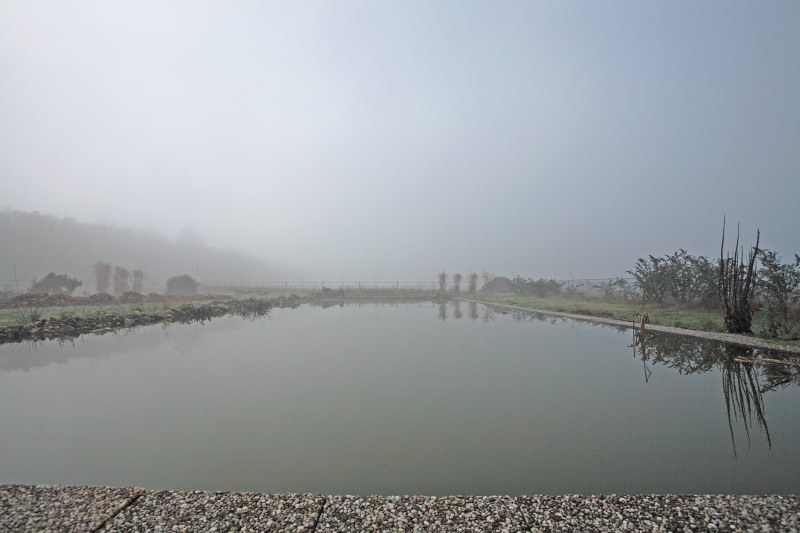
<point x="403" y="398"/>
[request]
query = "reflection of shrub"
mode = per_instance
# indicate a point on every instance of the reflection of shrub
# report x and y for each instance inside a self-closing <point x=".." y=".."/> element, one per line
<point x="53" y="283"/>
<point x="183" y="284"/>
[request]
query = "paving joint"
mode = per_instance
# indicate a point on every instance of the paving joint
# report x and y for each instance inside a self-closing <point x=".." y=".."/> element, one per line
<point x="111" y="517"/>
<point x="319" y="514"/>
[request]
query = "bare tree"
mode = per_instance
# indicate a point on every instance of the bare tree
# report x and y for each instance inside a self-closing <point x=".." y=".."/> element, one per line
<point x="121" y="276"/>
<point x="138" y="280"/>
<point x="457" y="282"/>
<point x="736" y="285"/>
<point x="472" y="283"/>
<point x="442" y="282"/>
<point x="102" y="275"/>
<point x="486" y="276"/>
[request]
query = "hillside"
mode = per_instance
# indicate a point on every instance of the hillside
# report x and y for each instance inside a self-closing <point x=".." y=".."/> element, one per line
<point x="36" y="244"/>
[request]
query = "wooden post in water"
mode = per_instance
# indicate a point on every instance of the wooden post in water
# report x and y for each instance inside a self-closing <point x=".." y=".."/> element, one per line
<point x="641" y="328"/>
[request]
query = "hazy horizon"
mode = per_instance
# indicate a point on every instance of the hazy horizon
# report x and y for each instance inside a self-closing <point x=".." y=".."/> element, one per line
<point x="389" y="141"/>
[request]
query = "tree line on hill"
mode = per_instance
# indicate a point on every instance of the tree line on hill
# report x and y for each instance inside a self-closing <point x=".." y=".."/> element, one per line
<point x="33" y="244"/>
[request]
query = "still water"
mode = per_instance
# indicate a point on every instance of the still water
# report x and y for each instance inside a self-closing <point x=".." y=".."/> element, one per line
<point x="407" y="398"/>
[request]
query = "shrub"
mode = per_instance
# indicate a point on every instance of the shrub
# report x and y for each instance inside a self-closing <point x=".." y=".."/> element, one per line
<point x="53" y="283"/>
<point x="102" y="275"/>
<point x="736" y="285"/>
<point x="121" y="276"/>
<point x="442" y="282"/>
<point x="778" y="285"/>
<point x="472" y="283"/>
<point x="681" y="278"/>
<point x="540" y="287"/>
<point x="457" y="283"/>
<point x="138" y="280"/>
<point x="183" y="284"/>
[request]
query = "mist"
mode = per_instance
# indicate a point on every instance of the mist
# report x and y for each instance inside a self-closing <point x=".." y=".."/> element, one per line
<point x="388" y="141"/>
<point x="35" y="244"/>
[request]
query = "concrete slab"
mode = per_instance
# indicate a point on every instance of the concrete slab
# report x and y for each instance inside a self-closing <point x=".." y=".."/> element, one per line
<point x="50" y="508"/>
<point x="421" y="513"/>
<point x="219" y="511"/>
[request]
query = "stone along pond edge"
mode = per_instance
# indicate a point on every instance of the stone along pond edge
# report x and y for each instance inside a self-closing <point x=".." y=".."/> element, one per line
<point x="55" y="328"/>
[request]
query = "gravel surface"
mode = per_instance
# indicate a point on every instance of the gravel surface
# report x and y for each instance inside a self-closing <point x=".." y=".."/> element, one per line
<point x="45" y="508"/>
<point x="661" y="513"/>
<point x="219" y="511"/>
<point x="420" y="513"/>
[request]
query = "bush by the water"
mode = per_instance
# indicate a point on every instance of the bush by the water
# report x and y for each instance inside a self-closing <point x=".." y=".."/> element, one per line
<point x="686" y="280"/>
<point x="183" y="284"/>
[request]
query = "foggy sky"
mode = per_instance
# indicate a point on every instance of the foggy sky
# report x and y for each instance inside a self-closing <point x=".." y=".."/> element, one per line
<point x="391" y="140"/>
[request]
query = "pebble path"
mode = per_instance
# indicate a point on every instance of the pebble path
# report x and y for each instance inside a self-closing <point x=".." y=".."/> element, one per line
<point x="53" y="508"/>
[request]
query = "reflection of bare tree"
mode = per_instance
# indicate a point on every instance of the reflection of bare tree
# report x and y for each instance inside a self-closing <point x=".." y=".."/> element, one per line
<point x="473" y="307"/>
<point x="457" y="309"/>
<point x="747" y="373"/>
<point x="743" y="397"/>
<point x="488" y="314"/>
<point x="639" y="342"/>
<point x="442" y="310"/>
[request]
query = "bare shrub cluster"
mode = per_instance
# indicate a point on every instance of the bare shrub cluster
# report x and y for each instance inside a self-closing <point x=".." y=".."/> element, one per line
<point x="119" y="279"/>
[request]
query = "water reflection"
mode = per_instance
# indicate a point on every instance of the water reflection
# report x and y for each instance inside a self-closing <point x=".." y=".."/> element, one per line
<point x="442" y="310"/>
<point x="31" y="354"/>
<point x="457" y="309"/>
<point x="385" y="399"/>
<point x="747" y="373"/>
<point x="473" y="311"/>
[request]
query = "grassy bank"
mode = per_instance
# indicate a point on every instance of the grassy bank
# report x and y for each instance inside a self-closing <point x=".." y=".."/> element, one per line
<point x="26" y="315"/>
<point x="698" y="319"/>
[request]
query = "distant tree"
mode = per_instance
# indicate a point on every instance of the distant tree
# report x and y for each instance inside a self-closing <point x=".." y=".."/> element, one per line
<point x="472" y="283"/>
<point x="53" y="283"/>
<point x="442" y="282"/>
<point x="138" y="280"/>
<point x="486" y="276"/>
<point x="183" y="284"/>
<point x="121" y="276"/>
<point x="457" y="282"/>
<point x="102" y="275"/>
